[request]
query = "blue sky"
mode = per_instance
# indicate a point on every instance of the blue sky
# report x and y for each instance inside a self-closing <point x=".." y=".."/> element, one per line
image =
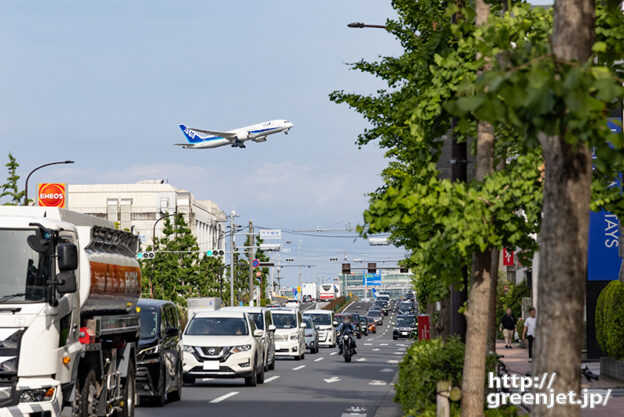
<point x="108" y="83"/>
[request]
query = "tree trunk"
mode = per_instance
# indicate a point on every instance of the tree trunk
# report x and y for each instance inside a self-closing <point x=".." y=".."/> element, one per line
<point x="564" y="234"/>
<point x="491" y="347"/>
<point x="477" y="315"/>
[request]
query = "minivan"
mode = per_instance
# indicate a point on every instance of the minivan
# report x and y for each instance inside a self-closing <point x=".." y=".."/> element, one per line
<point x="159" y="354"/>
<point x="325" y="321"/>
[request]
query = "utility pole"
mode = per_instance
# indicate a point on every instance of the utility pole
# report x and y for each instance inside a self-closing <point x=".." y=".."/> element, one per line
<point x="299" y="260"/>
<point x="252" y="247"/>
<point x="232" y="251"/>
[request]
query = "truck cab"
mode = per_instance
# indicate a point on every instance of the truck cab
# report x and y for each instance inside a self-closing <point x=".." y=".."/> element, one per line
<point x="68" y="286"/>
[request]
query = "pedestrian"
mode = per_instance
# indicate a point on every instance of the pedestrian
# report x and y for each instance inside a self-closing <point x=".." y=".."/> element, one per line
<point x="508" y="326"/>
<point x="529" y="330"/>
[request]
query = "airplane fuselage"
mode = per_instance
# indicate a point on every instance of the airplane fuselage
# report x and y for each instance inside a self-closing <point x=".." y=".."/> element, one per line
<point x="237" y="137"/>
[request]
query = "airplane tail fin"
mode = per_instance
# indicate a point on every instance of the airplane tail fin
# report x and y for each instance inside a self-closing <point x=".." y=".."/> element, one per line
<point x="191" y="135"/>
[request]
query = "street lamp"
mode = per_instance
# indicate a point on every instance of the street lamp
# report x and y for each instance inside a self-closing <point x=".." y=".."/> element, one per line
<point x="37" y="169"/>
<point x="360" y="25"/>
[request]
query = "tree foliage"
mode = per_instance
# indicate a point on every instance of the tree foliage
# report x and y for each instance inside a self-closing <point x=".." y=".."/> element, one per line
<point x="179" y="271"/>
<point x="10" y="189"/>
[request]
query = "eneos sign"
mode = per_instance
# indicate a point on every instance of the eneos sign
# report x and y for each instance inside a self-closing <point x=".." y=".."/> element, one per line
<point x="52" y="195"/>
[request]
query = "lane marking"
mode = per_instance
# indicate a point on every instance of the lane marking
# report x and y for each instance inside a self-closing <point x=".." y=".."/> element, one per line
<point x="273" y="378"/>
<point x="383" y="344"/>
<point x="376" y="349"/>
<point x="223" y="397"/>
<point x="299" y="367"/>
<point x="368" y="344"/>
<point x="377" y="382"/>
<point x="332" y="379"/>
<point x="318" y="359"/>
<point x="333" y="353"/>
<point x="386" y="370"/>
<point x="392" y="361"/>
<point x="361" y="360"/>
<point x="398" y="353"/>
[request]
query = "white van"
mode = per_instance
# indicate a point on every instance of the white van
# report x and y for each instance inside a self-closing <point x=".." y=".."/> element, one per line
<point x="324" y="320"/>
<point x="289" y="333"/>
<point x="264" y="321"/>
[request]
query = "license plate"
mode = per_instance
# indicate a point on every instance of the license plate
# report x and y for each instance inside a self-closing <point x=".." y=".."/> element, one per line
<point x="404" y="333"/>
<point x="211" y="365"/>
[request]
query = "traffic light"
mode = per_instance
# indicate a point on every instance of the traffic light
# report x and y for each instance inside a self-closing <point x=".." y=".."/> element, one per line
<point x="289" y="260"/>
<point x="372" y="268"/>
<point x="146" y="255"/>
<point x="216" y="252"/>
<point x="333" y="259"/>
<point x="346" y="269"/>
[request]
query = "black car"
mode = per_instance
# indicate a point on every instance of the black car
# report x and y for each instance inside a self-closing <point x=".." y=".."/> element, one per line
<point x="405" y="327"/>
<point x="383" y="306"/>
<point x="159" y="357"/>
<point x="406" y="308"/>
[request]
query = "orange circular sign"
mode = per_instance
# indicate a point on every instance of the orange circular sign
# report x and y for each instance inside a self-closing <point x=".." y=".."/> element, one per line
<point x="52" y="195"/>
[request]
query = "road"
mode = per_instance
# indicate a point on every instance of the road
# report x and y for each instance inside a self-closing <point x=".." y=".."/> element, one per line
<point x="320" y="385"/>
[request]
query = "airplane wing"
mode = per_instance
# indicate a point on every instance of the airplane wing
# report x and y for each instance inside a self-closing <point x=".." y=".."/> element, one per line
<point x="226" y="135"/>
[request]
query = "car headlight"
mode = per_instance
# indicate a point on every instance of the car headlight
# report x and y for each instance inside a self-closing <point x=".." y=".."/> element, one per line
<point x="241" y="348"/>
<point x="294" y="336"/>
<point x="36" y="395"/>
<point x="150" y="350"/>
<point x="189" y="349"/>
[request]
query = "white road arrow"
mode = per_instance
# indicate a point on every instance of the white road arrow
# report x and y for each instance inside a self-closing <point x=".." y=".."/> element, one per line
<point x="332" y="379"/>
<point x="377" y="382"/>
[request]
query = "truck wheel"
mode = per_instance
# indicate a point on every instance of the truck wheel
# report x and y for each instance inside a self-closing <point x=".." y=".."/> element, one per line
<point x="177" y="394"/>
<point x="86" y="404"/>
<point x="129" y="393"/>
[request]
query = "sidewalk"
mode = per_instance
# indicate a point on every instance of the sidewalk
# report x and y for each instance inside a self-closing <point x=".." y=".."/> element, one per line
<point x="517" y="361"/>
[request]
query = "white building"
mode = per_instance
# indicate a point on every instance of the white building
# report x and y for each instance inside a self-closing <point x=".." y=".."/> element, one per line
<point x="138" y="207"/>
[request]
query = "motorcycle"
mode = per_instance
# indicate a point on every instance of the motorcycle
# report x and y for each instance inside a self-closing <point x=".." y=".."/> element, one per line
<point x="347" y="347"/>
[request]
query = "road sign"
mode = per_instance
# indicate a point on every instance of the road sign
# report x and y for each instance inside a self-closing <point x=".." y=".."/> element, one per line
<point x="255" y="263"/>
<point x="371" y="279"/>
<point x="269" y="234"/>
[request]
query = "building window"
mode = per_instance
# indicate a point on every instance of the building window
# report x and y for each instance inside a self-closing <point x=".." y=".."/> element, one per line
<point x="144" y="216"/>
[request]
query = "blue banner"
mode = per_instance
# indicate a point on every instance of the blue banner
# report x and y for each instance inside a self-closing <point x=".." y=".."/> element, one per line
<point x="603" y="258"/>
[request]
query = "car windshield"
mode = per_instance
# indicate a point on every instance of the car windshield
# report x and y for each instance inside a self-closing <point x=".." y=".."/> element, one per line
<point x="257" y="319"/>
<point x="217" y="326"/>
<point x="370" y="319"/>
<point x="320" y="319"/>
<point x="405" y="322"/>
<point x="285" y="321"/>
<point x="25" y="273"/>
<point x="374" y="313"/>
<point x="309" y="323"/>
<point x="149" y="324"/>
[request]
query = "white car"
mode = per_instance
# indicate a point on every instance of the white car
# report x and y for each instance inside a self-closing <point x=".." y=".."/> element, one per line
<point x="289" y="333"/>
<point x="223" y="344"/>
<point x="292" y="304"/>
<point x="263" y="321"/>
<point x="324" y="320"/>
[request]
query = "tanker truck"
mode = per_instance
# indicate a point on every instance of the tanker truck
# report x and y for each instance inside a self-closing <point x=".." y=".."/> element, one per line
<point x="69" y="284"/>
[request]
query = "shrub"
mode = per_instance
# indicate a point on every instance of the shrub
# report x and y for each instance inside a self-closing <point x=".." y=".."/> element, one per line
<point x="610" y="320"/>
<point x="425" y="364"/>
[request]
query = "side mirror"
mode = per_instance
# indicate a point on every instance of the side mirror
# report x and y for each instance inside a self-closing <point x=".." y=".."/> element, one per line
<point x="335" y="324"/>
<point x="394" y="323"/>
<point x="66" y="282"/>
<point x="67" y="257"/>
<point x="272" y="327"/>
<point x="303" y="325"/>
<point x="172" y="331"/>
<point x="258" y="333"/>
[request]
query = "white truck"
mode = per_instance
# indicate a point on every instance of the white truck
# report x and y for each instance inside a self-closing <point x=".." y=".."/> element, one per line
<point x="310" y="288"/>
<point x="69" y="284"/>
<point x="195" y="305"/>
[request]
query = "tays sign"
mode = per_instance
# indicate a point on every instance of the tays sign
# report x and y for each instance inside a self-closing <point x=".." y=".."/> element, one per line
<point x="52" y="195"/>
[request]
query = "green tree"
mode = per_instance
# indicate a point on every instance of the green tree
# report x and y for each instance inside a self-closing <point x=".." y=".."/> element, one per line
<point x="10" y="188"/>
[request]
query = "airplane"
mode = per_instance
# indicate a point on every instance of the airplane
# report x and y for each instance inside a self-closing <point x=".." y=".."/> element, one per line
<point x="236" y="138"/>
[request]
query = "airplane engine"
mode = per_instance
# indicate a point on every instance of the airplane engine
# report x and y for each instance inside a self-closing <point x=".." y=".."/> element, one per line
<point x="260" y="139"/>
<point x="243" y="136"/>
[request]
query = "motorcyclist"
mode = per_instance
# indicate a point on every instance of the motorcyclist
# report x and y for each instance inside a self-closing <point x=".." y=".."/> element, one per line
<point x="346" y="327"/>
